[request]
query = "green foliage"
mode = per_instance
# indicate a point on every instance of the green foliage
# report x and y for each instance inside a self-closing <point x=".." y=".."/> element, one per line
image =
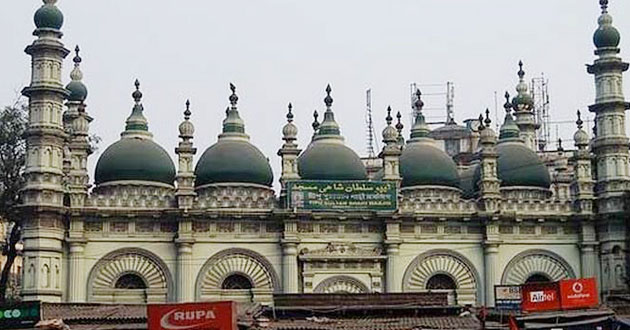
<point x="13" y="124"/>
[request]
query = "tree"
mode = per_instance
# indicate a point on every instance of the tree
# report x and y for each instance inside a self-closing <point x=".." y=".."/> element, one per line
<point x="13" y="124"/>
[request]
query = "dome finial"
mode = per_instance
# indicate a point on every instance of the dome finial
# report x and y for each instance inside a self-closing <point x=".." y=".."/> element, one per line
<point x="137" y="94"/>
<point x="233" y="98"/>
<point x="290" y="113"/>
<point x="328" y="99"/>
<point x="481" y="125"/>
<point x="508" y="105"/>
<point x="579" y="121"/>
<point x="399" y="128"/>
<point x="187" y="112"/>
<point x="389" y="118"/>
<point x="521" y="73"/>
<point x="604" y="5"/>
<point x="390" y="134"/>
<point x="419" y="104"/>
<point x="487" y="121"/>
<point x="77" y="58"/>
<point x="315" y="124"/>
<point x="560" y="148"/>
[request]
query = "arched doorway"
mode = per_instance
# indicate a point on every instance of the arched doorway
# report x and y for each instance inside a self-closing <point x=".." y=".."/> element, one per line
<point x="236" y="282"/>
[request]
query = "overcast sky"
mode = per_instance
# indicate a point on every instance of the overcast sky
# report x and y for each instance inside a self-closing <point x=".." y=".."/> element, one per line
<point x="280" y="51"/>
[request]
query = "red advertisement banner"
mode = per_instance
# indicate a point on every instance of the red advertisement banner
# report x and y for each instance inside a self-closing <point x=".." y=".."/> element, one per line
<point x="579" y="293"/>
<point x="192" y="316"/>
<point x="540" y="297"/>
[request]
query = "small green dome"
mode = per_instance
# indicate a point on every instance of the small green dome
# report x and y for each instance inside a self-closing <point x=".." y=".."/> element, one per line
<point x="233" y="161"/>
<point x="48" y="16"/>
<point x="78" y="91"/>
<point x="330" y="161"/>
<point x="520" y="166"/>
<point x="423" y="164"/>
<point x="135" y="159"/>
<point x="606" y="36"/>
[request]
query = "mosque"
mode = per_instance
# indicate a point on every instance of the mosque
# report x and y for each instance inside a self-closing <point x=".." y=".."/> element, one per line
<point x="143" y="228"/>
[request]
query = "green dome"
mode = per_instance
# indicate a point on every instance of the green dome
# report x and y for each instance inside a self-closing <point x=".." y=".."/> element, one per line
<point x="330" y="161"/>
<point x="48" y="17"/>
<point x="467" y="181"/>
<point x="233" y="161"/>
<point x="520" y="166"/>
<point x="423" y="164"/>
<point x="78" y="91"/>
<point x="606" y="36"/>
<point x="135" y="159"/>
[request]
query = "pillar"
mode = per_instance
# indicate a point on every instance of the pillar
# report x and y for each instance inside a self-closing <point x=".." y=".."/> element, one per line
<point x="76" y="273"/>
<point x="491" y="259"/>
<point x="185" y="281"/>
<point x="289" y="267"/>
<point x="393" y="261"/>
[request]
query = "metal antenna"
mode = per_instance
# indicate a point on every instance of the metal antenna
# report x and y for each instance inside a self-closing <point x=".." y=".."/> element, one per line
<point x="372" y="143"/>
<point x="540" y="93"/>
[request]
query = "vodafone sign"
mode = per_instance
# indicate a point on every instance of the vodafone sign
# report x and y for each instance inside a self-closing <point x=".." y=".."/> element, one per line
<point x="192" y="316"/>
<point x="579" y="293"/>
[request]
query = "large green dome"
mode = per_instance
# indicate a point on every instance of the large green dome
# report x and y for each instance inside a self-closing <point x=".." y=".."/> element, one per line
<point x="520" y="166"/>
<point x="135" y="159"/>
<point x="423" y="164"/>
<point x="48" y="16"/>
<point x="606" y="36"/>
<point x="233" y="161"/>
<point x="324" y="160"/>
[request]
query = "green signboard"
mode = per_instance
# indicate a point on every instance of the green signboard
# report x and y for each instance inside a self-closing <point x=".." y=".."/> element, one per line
<point x="342" y="195"/>
<point x="22" y="315"/>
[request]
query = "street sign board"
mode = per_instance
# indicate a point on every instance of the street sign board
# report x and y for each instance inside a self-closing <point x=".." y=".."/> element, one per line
<point x="507" y="297"/>
<point x="192" y="316"/>
<point x="22" y="315"/>
<point x="342" y="195"/>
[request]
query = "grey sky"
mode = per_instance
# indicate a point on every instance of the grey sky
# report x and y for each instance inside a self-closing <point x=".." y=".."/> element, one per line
<point x="280" y="51"/>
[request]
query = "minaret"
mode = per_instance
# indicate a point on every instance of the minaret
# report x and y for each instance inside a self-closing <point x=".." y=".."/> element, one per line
<point x="610" y="148"/>
<point x="610" y="145"/>
<point x="186" y="151"/>
<point x="582" y="196"/>
<point x="523" y="105"/>
<point x="76" y="121"/>
<point x="489" y="184"/>
<point x="43" y="193"/>
<point x="391" y="151"/>
<point x="289" y="151"/>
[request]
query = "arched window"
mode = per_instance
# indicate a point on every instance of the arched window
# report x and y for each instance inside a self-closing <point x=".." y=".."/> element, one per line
<point x="441" y="282"/>
<point x="130" y="281"/>
<point x="236" y="282"/>
<point x="538" y="278"/>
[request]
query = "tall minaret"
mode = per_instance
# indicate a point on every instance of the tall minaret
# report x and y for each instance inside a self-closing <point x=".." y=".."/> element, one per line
<point x="610" y="145"/>
<point x="523" y="105"/>
<point x="289" y="151"/>
<point x="43" y="193"/>
<point x="186" y="151"/>
<point x="391" y="151"/>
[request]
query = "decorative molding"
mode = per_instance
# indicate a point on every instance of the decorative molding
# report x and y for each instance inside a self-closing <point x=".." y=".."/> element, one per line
<point x="532" y="262"/>
<point x="244" y="262"/>
<point x="340" y="249"/>
<point x="341" y="284"/>
<point x="236" y="196"/>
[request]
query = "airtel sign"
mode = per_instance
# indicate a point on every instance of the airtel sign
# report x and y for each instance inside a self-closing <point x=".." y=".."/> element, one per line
<point x="540" y="297"/>
<point x="192" y="316"/>
<point x="579" y="293"/>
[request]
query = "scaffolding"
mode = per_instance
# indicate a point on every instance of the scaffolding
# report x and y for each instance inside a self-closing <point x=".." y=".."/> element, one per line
<point x="540" y="94"/>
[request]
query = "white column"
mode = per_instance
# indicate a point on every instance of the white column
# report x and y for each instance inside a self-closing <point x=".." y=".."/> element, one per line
<point x="393" y="256"/>
<point x="491" y="253"/>
<point x="76" y="279"/>
<point x="289" y="267"/>
<point x="185" y="281"/>
<point x="587" y="256"/>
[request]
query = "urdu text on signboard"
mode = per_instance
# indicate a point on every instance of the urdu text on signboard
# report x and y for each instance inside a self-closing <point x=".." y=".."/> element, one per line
<point x="342" y="195"/>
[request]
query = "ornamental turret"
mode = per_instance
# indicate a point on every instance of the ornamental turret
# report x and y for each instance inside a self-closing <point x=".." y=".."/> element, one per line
<point x="489" y="185"/>
<point x="582" y="184"/>
<point x="289" y="151"/>
<point x="76" y="122"/>
<point x="43" y="192"/>
<point x="523" y="106"/>
<point x="185" y="152"/>
<point x="391" y="151"/>
<point x="610" y="145"/>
